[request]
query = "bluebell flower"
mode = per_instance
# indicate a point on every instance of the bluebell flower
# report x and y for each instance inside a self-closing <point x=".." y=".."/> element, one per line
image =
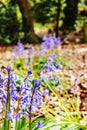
<point x="19" y="49"/>
<point x="59" y="88"/>
<point x="10" y="116"/>
<point x="46" y="91"/>
<point x="45" y="37"/>
<point x="75" y="83"/>
<point x="34" y="108"/>
<point x="1" y="82"/>
<point x="29" y="73"/>
<point x="52" y="56"/>
<point x="1" y="106"/>
<point x="30" y="49"/>
<point x="14" y="95"/>
<point x="17" y="116"/>
<point x="3" y="95"/>
<point x="37" y="83"/>
<point x="50" y="68"/>
<point x="0" y="71"/>
<point x="58" y="80"/>
<point x="37" y="101"/>
<point x="58" y="41"/>
<point x="70" y="91"/>
<point x="8" y="68"/>
<point x="26" y="99"/>
<point x="39" y="124"/>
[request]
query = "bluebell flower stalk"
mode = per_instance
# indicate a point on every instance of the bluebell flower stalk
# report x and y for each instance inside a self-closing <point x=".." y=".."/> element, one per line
<point x="31" y="109"/>
<point x="36" y="84"/>
<point x="8" y="99"/>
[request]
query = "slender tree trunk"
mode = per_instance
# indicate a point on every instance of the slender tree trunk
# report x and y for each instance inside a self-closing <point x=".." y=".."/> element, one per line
<point x="58" y="10"/>
<point x="25" y="8"/>
<point x="58" y="17"/>
<point x="70" y="11"/>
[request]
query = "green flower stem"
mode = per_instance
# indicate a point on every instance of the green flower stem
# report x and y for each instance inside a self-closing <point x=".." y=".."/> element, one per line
<point x="30" y="122"/>
<point x="8" y="103"/>
<point x="17" y="122"/>
<point x="29" y="61"/>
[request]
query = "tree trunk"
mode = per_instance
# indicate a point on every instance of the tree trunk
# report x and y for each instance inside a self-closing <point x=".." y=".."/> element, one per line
<point x="70" y="11"/>
<point x="58" y="17"/>
<point x="25" y="8"/>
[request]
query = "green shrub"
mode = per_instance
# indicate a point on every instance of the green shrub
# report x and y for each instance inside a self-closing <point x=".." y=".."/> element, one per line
<point x="9" y="24"/>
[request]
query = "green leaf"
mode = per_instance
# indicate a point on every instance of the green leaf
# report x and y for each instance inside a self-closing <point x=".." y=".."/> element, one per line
<point x="23" y="122"/>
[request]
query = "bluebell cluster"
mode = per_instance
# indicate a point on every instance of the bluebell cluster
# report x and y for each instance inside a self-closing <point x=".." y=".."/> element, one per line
<point x="20" y="95"/>
<point x="49" y="42"/>
<point x="50" y="68"/>
<point x="25" y="96"/>
<point x="19" y="49"/>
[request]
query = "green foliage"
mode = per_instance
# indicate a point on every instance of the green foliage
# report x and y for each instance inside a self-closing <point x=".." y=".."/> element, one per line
<point x="20" y="124"/>
<point x="38" y="63"/>
<point x="68" y="118"/>
<point x="79" y="24"/>
<point x="31" y="38"/>
<point x="9" y="25"/>
<point x="17" y="124"/>
<point x="46" y="12"/>
<point x="19" y="63"/>
<point x="63" y="61"/>
<point x="59" y="123"/>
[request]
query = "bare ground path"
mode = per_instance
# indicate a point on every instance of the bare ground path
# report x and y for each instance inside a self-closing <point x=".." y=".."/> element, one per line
<point x="78" y="53"/>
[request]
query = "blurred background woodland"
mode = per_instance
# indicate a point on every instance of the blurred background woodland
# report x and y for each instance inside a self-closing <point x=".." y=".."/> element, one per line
<point x="28" y="19"/>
